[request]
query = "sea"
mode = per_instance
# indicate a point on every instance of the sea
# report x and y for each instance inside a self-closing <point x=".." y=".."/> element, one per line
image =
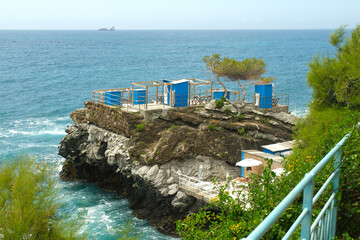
<point x="45" y="75"/>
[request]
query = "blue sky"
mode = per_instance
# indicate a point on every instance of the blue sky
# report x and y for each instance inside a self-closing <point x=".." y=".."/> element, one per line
<point x="178" y="14"/>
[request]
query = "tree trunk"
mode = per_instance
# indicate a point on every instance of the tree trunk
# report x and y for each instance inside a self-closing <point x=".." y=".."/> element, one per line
<point x="243" y="92"/>
<point x="223" y="85"/>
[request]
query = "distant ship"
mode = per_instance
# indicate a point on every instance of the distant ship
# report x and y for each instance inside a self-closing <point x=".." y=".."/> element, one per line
<point x="107" y="29"/>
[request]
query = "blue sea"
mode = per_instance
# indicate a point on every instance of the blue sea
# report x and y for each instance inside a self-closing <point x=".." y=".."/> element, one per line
<point x="45" y="75"/>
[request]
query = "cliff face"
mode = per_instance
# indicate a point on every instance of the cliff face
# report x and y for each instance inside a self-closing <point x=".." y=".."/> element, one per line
<point x="140" y="159"/>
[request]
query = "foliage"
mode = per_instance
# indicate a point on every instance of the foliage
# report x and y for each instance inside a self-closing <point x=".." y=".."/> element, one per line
<point x="219" y="103"/>
<point x="29" y="203"/>
<point x="241" y="117"/>
<point x="233" y="218"/>
<point x="140" y="127"/>
<point x="336" y="81"/>
<point x="318" y="134"/>
<point x="172" y="126"/>
<point x="127" y="232"/>
<point x="327" y="123"/>
<point x="241" y="130"/>
<point x="212" y="127"/>
<point x="227" y="111"/>
<point x="249" y="70"/>
<point x="236" y="218"/>
<point x="213" y="64"/>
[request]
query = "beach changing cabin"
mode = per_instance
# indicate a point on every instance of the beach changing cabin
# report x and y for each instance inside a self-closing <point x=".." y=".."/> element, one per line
<point x="279" y="149"/>
<point x="139" y="96"/>
<point x="259" y="156"/>
<point x="263" y="95"/>
<point x="112" y="98"/>
<point x="178" y="90"/>
<point x="217" y="94"/>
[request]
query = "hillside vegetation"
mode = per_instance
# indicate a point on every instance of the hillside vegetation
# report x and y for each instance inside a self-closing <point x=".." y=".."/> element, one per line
<point x="334" y="113"/>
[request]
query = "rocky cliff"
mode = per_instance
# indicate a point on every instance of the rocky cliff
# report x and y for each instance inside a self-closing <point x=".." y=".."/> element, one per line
<point x="139" y="159"/>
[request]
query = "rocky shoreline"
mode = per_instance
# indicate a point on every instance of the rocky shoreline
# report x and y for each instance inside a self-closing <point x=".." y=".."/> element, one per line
<point x="105" y="146"/>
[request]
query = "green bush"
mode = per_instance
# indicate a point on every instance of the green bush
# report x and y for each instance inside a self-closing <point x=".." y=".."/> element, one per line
<point x="29" y="203"/>
<point x="227" y="111"/>
<point x="140" y="127"/>
<point x="241" y="130"/>
<point x="219" y="103"/>
<point x="212" y="127"/>
<point x="241" y="117"/>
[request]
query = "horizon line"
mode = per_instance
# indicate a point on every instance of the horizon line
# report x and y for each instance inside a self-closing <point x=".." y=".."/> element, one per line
<point x="169" y="29"/>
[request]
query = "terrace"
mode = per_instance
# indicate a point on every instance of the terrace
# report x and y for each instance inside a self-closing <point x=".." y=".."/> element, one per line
<point x="157" y="95"/>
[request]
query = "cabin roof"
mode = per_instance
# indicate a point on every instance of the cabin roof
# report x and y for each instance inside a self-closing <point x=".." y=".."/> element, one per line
<point x="279" y="147"/>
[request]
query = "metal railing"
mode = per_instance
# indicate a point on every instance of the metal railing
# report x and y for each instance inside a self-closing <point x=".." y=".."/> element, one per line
<point x="324" y="226"/>
<point x="197" y="185"/>
<point x="280" y="99"/>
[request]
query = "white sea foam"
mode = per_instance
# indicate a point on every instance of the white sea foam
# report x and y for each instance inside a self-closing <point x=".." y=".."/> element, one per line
<point x="15" y="132"/>
<point x="55" y="131"/>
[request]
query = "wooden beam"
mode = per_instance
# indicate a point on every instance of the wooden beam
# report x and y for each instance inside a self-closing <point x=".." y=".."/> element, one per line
<point x="189" y="93"/>
<point x="132" y="95"/>
<point x="138" y="85"/>
<point x="146" y="99"/>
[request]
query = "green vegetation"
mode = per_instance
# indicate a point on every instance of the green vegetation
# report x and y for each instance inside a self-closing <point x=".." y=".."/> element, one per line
<point x="127" y="232"/>
<point x="140" y="127"/>
<point x="244" y="72"/>
<point x="334" y="112"/>
<point x="336" y="81"/>
<point x="219" y="103"/>
<point x="241" y="130"/>
<point x="241" y="117"/>
<point x="29" y="203"/>
<point x="227" y="111"/>
<point x="212" y="127"/>
<point x="173" y="126"/>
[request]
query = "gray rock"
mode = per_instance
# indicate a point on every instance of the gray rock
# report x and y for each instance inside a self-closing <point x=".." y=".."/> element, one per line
<point x="181" y="200"/>
<point x="161" y="176"/>
<point x="142" y="171"/>
<point x="152" y="173"/>
<point x="170" y="180"/>
<point x="172" y="191"/>
<point x="173" y="186"/>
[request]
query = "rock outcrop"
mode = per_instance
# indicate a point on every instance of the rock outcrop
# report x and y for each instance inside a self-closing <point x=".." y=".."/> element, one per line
<point x="122" y="152"/>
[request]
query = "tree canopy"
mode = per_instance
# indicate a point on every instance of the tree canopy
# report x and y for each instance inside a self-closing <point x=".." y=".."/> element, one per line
<point x="246" y="72"/>
<point x="336" y="80"/>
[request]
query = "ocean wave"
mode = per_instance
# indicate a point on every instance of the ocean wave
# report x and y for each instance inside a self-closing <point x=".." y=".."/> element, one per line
<point x="52" y="132"/>
<point x="12" y="133"/>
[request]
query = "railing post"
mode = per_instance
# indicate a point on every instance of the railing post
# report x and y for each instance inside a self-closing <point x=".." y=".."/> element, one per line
<point x="335" y="189"/>
<point x="307" y="204"/>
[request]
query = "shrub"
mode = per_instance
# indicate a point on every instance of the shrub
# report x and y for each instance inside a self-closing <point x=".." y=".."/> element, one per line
<point x="212" y="127"/>
<point x="241" y="130"/>
<point x="241" y="117"/>
<point x="219" y="103"/>
<point x="29" y="203"/>
<point x="140" y="127"/>
<point x="227" y="111"/>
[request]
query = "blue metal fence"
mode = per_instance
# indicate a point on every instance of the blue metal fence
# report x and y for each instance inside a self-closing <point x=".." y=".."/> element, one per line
<point x="324" y="226"/>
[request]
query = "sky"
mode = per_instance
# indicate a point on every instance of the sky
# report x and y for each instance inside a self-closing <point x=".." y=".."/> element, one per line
<point x="178" y="14"/>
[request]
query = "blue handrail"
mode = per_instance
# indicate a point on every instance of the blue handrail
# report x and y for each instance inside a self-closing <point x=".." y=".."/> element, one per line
<point x="324" y="226"/>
